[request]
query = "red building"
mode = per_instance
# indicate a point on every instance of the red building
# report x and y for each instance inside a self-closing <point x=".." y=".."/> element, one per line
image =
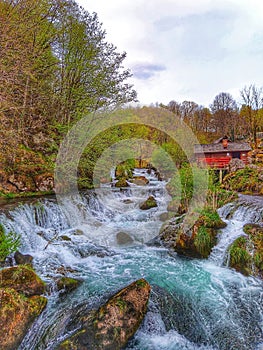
<point x="219" y="154"/>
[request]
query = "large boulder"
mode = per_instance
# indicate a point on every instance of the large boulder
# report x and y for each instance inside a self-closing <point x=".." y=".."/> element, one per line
<point x="22" y="279"/>
<point x="114" y="323"/>
<point x="198" y="241"/>
<point x="149" y="203"/>
<point x="17" y="313"/>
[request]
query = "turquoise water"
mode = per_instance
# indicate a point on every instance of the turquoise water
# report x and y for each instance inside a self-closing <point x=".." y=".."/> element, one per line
<point x="194" y="304"/>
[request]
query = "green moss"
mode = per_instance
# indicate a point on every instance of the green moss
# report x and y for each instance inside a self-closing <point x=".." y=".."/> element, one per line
<point x="124" y="170"/>
<point x="149" y="203"/>
<point x="68" y="284"/>
<point x="141" y="283"/>
<point x="211" y="218"/>
<point x="23" y="279"/>
<point x="240" y="259"/>
<point x="121" y="304"/>
<point x="122" y="183"/>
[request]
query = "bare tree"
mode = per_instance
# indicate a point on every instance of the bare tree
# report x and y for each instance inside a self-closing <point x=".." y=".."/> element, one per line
<point x="252" y="98"/>
<point x="225" y="114"/>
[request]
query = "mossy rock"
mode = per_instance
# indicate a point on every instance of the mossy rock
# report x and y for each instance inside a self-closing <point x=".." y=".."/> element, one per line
<point x="149" y="203"/>
<point x="196" y="242"/>
<point x="240" y="259"/>
<point x="17" y="313"/>
<point x="114" y="323"/>
<point x="122" y="183"/>
<point x="246" y="253"/>
<point x="211" y="219"/>
<point x="65" y="238"/>
<point x="140" y="180"/>
<point x="124" y="170"/>
<point x="67" y="284"/>
<point x="23" y="279"/>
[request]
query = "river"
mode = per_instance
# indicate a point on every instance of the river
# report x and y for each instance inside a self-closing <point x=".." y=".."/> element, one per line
<point x="194" y="305"/>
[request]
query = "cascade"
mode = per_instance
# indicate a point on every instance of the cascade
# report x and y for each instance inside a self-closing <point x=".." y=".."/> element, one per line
<point x="195" y="304"/>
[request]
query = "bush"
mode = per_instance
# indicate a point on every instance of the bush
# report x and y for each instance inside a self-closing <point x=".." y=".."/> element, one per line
<point x="239" y="256"/>
<point x="203" y="241"/>
<point x="9" y="243"/>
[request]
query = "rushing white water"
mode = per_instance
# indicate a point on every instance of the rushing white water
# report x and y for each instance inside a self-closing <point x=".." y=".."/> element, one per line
<point x="247" y="209"/>
<point x="194" y="305"/>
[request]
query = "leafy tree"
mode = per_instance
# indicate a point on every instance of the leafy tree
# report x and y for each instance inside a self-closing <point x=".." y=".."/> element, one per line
<point x="90" y="74"/>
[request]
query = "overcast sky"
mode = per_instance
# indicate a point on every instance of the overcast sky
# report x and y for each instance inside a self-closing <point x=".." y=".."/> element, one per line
<point x="186" y="49"/>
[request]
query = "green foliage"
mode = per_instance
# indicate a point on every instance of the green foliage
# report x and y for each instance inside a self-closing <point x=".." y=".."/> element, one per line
<point x="211" y="218"/>
<point x="246" y="180"/>
<point x="9" y="243"/>
<point x="258" y="260"/>
<point x="239" y="256"/>
<point x="203" y="241"/>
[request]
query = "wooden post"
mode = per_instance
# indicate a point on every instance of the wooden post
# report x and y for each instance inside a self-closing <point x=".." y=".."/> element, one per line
<point x="220" y="176"/>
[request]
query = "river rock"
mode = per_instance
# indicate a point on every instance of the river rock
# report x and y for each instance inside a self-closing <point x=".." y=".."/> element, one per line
<point x="122" y="183"/>
<point x="140" y="180"/>
<point x="149" y="203"/>
<point x="127" y="201"/>
<point x="123" y="238"/>
<point x="17" y="313"/>
<point x="67" y="284"/>
<point x="22" y="279"/>
<point x="114" y="323"/>
<point x="23" y="259"/>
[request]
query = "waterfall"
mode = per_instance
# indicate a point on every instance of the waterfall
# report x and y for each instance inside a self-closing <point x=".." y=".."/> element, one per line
<point x="194" y="305"/>
<point x="247" y="209"/>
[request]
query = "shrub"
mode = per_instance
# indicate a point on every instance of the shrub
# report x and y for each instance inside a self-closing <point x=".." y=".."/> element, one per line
<point x="9" y="243"/>
<point x="239" y="256"/>
<point x="203" y="241"/>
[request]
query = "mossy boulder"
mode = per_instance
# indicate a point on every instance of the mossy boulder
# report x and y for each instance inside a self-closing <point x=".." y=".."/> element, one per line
<point x="149" y="203"/>
<point x="122" y="183"/>
<point x="114" y="323"/>
<point x="22" y="279"/>
<point x="67" y="284"/>
<point x="17" y="313"/>
<point x="198" y="241"/>
<point x="124" y="170"/>
<point x="246" y="253"/>
<point x="140" y="180"/>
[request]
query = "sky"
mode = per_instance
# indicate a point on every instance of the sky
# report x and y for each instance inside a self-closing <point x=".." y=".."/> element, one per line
<point x="186" y="49"/>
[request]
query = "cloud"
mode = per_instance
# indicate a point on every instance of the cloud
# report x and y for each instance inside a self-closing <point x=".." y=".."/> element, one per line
<point x="145" y="71"/>
<point x="186" y="49"/>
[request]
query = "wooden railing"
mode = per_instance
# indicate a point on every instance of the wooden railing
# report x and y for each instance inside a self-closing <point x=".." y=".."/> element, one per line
<point x="217" y="163"/>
